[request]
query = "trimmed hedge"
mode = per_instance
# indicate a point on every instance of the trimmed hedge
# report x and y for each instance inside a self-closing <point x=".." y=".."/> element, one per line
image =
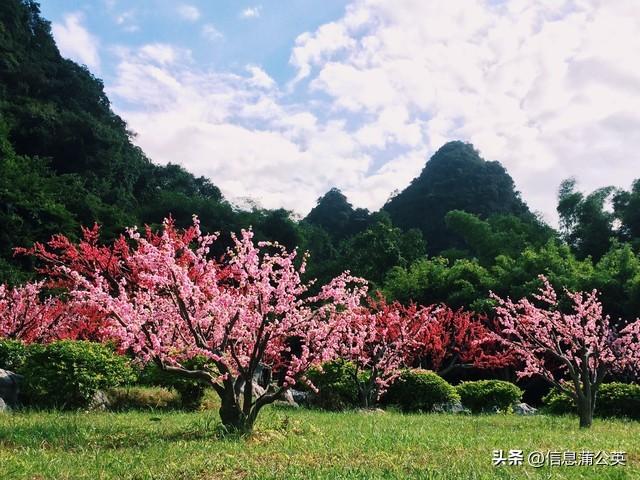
<point x="559" y="403"/>
<point x="13" y="355"/>
<point x="614" y="399"/>
<point x="420" y="391"/>
<point x="337" y="389"/>
<point x="67" y="374"/>
<point x="484" y="395"/>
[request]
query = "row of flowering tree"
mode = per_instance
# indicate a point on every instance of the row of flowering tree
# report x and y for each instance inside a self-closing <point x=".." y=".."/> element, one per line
<point x="381" y="338"/>
<point x="163" y="298"/>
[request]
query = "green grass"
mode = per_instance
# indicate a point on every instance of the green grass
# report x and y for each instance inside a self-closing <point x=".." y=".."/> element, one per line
<point x="299" y="444"/>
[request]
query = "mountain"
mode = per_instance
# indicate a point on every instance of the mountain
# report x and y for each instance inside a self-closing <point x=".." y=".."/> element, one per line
<point x="336" y="215"/>
<point x="455" y="178"/>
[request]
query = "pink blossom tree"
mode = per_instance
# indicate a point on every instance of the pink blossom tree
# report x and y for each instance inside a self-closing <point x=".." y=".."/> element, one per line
<point x="574" y="351"/>
<point x="377" y="339"/>
<point x="250" y="309"/>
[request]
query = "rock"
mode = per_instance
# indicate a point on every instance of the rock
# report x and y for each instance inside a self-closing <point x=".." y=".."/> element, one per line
<point x="256" y="389"/>
<point x="289" y="400"/>
<point x="524" y="409"/>
<point x="262" y="375"/>
<point x="100" y="401"/>
<point x="299" y="396"/>
<point x="9" y="387"/>
<point x="451" y="407"/>
<point x="3" y="406"/>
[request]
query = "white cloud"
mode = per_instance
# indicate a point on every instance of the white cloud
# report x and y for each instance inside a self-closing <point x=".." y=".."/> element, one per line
<point x="189" y="12"/>
<point x="75" y="41"/>
<point x="260" y="78"/>
<point x="547" y="87"/>
<point x="233" y="129"/>
<point x="251" y="12"/>
<point x="211" y="33"/>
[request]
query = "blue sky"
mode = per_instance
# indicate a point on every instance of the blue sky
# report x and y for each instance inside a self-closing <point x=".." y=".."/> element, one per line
<point x="249" y="32"/>
<point x="278" y="101"/>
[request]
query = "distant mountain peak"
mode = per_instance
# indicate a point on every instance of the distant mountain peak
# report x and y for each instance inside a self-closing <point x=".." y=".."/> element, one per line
<point x="456" y="177"/>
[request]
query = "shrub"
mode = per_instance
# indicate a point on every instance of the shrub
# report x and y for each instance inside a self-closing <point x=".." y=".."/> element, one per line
<point x="420" y="390"/>
<point x="142" y="398"/>
<point x="337" y="389"/>
<point x="614" y="399"/>
<point x="484" y="395"/>
<point x="618" y="399"/>
<point x="67" y="374"/>
<point x="13" y="355"/>
<point x="191" y="391"/>
<point x="559" y="403"/>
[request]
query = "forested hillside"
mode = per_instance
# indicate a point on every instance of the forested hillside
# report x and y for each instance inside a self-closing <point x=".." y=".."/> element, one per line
<point x="455" y="178"/>
<point x="68" y="160"/>
<point x="459" y="230"/>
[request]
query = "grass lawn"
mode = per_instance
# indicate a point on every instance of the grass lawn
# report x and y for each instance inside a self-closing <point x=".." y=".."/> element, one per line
<point x="300" y="444"/>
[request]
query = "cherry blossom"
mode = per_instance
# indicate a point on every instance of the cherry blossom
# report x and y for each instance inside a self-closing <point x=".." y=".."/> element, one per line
<point x="166" y="300"/>
<point x="574" y="350"/>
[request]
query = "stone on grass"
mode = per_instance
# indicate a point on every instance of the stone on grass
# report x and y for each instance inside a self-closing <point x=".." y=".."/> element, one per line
<point x="100" y="401"/>
<point x="9" y="387"/>
<point x="451" y="407"/>
<point x="300" y="397"/>
<point x="524" y="409"/>
<point x="257" y="390"/>
<point x="289" y="400"/>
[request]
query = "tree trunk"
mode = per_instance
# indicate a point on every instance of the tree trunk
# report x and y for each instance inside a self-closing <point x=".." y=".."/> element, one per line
<point x="585" y="410"/>
<point x="238" y="408"/>
<point x="231" y="414"/>
<point x="365" y="398"/>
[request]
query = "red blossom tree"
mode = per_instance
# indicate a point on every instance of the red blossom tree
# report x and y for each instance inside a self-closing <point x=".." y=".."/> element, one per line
<point x="87" y="257"/>
<point x="445" y="339"/>
<point x="377" y="339"/>
<point x="383" y="338"/>
<point x="28" y="315"/>
<point x="574" y="351"/>
<point x="165" y="300"/>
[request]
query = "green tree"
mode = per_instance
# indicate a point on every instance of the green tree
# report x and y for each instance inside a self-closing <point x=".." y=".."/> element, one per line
<point x="585" y="223"/>
<point x="374" y="251"/>
<point x="627" y="212"/>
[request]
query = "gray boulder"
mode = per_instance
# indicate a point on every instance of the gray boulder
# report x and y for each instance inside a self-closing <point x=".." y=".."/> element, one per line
<point x="451" y="407"/>
<point x="3" y="406"/>
<point x="100" y="401"/>
<point x="299" y="396"/>
<point x="9" y="387"/>
<point x="289" y="400"/>
<point x="524" y="409"/>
